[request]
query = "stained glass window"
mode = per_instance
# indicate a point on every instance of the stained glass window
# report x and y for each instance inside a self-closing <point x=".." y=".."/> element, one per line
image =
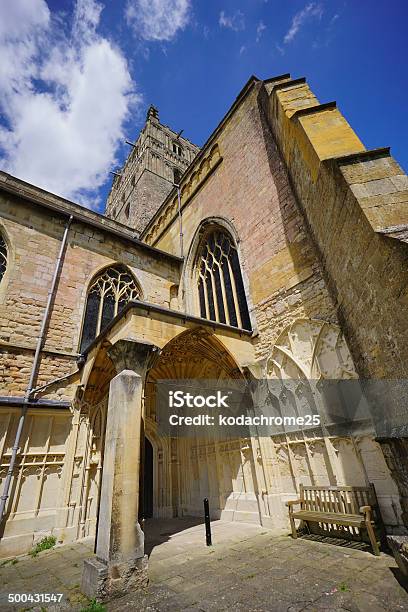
<point x="108" y="294"/>
<point x="221" y="291"/>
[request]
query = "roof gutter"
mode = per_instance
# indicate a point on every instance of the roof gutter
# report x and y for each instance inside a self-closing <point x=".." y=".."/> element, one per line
<point x="9" y="185"/>
<point x="16" y="402"/>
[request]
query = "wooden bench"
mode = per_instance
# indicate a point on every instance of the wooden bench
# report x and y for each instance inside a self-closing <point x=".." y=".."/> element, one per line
<point x="354" y="508"/>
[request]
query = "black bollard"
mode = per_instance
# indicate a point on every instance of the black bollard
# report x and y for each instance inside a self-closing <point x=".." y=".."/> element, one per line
<point x="207" y="522"/>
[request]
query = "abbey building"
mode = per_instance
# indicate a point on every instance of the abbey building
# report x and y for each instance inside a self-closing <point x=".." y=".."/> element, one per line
<point x="276" y="251"/>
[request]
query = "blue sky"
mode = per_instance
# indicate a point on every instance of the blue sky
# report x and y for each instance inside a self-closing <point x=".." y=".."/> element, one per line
<point x="76" y="76"/>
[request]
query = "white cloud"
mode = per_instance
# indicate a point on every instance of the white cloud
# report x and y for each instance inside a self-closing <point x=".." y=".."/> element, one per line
<point x="64" y="97"/>
<point x="280" y="49"/>
<point x="234" y="22"/>
<point x="158" y="19"/>
<point x="260" y="30"/>
<point x="310" y="11"/>
<point x="21" y="15"/>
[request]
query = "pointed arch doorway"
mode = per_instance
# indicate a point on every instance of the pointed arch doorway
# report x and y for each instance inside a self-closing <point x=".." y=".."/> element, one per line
<point x="190" y="469"/>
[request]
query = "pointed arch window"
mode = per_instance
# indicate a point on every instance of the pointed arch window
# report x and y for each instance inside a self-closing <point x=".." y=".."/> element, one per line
<point x="108" y="294"/>
<point x="3" y="257"/>
<point x="221" y="291"/>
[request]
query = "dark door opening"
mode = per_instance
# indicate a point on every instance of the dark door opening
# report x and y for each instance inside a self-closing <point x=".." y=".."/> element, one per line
<point x="148" y="480"/>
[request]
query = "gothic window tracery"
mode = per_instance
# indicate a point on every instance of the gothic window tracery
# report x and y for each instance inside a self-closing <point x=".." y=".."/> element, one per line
<point x="108" y="294"/>
<point x="3" y="257"/>
<point x="221" y="291"/>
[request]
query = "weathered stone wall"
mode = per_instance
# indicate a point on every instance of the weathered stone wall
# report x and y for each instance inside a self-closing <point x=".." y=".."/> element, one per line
<point x="34" y="236"/>
<point x="37" y="491"/>
<point x="355" y="204"/>
<point x="350" y="203"/>
<point x="150" y="192"/>
<point x="250" y="189"/>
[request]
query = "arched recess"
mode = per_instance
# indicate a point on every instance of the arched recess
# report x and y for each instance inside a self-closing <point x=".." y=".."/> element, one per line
<point x="109" y="290"/>
<point x="91" y="477"/>
<point x="162" y="507"/>
<point x="189" y="277"/>
<point x="102" y="372"/>
<point x="83" y="471"/>
<point x="195" y="468"/>
<point x="315" y="350"/>
<point x="311" y="349"/>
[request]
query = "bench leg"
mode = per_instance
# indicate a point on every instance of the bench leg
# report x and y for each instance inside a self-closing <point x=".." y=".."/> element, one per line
<point x="293" y="526"/>
<point x="373" y="538"/>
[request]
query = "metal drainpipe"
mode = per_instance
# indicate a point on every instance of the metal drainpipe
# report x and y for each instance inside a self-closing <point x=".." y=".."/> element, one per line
<point x="34" y="368"/>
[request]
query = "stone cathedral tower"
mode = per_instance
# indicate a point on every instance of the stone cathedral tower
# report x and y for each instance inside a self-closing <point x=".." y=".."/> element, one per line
<point x="157" y="160"/>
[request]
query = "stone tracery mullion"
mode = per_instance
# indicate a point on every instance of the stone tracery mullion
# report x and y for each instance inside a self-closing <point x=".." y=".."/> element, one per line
<point x="314" y="366"/>
<point x="217" y="276"/>
<point x="115" y="283"/>
<point x="215" y="297"/>
<point x="3" y="257"/>
<point x="325" y="342"/>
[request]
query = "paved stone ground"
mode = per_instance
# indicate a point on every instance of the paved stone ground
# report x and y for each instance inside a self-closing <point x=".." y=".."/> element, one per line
<point x="247" y="568"/>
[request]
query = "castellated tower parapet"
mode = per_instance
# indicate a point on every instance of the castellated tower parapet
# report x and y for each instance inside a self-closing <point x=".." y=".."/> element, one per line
<point x="157" y="159"/>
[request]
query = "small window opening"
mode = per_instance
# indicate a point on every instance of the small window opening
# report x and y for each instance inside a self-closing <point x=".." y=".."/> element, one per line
<point x="177" y="149"/>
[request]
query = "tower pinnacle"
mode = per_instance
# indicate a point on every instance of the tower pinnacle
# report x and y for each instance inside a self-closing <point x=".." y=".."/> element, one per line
<point x="152" y="112"/>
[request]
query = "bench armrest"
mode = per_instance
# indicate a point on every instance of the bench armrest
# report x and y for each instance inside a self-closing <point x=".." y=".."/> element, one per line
<point x="293" y="502"/>
<point x="366" y="510"/>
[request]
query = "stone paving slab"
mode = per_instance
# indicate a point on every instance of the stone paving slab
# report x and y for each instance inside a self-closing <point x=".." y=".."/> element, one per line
<point x="247" y="568"/>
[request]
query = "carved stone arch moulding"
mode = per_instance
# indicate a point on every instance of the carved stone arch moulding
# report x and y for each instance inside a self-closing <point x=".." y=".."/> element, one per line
<point x="311" y="349"/>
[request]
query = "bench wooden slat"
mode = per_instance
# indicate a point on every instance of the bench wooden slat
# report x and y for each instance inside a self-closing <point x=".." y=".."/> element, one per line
<point x="331" y="501"/>
<point x="353" y="502"/>
<point x="352" y="520"/>
<point x="339" y="507"/>
<point x="343" y="501"/>
<point x="322" y="515"/>
<point x="333" y="488"/>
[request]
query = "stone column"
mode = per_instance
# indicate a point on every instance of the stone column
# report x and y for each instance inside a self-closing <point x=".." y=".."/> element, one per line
<point x="120" y="564"/>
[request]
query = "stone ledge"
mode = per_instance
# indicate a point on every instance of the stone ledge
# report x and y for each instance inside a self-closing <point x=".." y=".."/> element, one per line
<point x="361" y="156"/>
<point x="168" y="312"/>
<point x="291" y="83"/>
<point x="7" y="401"/>
<point x="316" y="108"/>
